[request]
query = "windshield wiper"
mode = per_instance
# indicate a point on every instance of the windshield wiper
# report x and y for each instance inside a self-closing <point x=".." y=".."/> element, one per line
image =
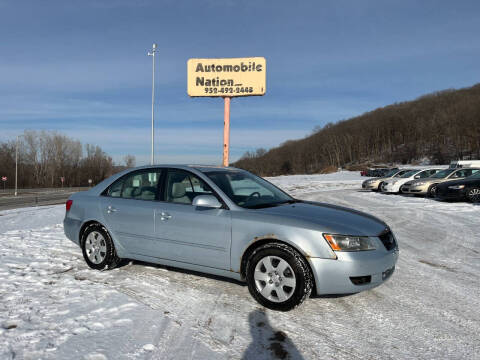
<point x="265" y="205"/>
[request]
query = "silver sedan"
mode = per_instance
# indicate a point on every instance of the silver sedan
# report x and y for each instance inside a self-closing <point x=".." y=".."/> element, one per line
<point x="229" y="222"/>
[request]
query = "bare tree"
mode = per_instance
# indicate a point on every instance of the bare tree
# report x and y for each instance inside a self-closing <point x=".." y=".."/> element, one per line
<point x="129" y="161"/>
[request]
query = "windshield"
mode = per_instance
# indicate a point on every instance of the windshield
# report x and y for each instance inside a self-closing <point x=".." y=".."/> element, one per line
<point x="391" y="173"/>
<point x="443" y="174"/>
<point x="409" y="173"/>
<point x="475" y="175"/>
<point x="400" y="173"/>
<point x="247" y="190"/>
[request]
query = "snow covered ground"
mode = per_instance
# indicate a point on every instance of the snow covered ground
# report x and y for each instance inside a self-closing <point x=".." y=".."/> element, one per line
<point x="299" y="184"/>
<point x="52" y="306"/>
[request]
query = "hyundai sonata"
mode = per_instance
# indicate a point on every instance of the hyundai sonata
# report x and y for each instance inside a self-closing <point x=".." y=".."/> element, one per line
<point x="229" y="222"/>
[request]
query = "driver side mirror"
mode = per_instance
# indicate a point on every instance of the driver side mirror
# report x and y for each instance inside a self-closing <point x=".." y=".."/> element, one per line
<point x="208" y="201"/>
<point x="416" y="177"/>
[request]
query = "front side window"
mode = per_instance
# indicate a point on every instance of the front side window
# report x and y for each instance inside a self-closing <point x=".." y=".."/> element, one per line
<point x="181" y="187"/>
<point x="140" y="185"/>
<point x="247" y="190"/>
<point x="463" y="173"/>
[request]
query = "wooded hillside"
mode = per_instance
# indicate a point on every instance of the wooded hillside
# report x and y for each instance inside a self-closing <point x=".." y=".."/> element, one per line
<point x="442" y="126"/>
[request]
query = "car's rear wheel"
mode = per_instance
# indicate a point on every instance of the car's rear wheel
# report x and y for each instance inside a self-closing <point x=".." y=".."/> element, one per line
<point x="473" y="195"/>
<point x="432" y="190"/>
<point x="98" y="248"/>
<point x="278" y="277"/>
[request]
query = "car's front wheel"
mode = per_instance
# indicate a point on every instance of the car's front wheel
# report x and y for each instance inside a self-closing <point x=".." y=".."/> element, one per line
<point x="432" y="190"/>
<point x="473" y="195"/>
<point x="278" y="277"/>
<point x="98" y="248"/>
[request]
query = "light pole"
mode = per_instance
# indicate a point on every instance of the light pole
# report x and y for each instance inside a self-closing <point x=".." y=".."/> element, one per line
<point x="152" y="54"/>
<point x="16" y="164"/>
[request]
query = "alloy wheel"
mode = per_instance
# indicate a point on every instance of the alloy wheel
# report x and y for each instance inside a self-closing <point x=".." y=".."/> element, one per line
<point x="474" y="195"/>
<point x="95" y="247"/>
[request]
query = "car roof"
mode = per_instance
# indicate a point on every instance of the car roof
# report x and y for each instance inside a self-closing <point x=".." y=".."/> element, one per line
<point x="201" y="168"/>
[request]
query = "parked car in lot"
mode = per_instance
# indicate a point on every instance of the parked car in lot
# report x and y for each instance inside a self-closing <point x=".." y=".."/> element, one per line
<point x="379" y="172"/>
<point x="229" y="222"/>
<point x="464" y="189"/>
<point x="394" y="185"/>
<point x="375" y="183"/>
<point x="465" y="163"/>
<point x="428" y="186"/>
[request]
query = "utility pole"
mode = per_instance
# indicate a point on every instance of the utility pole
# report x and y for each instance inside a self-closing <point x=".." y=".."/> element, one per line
<point x="16" y="164"/>
<point x="152" y="54"/>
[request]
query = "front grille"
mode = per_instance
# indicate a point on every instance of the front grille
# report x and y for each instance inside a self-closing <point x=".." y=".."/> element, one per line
<point x="388" y="239"/>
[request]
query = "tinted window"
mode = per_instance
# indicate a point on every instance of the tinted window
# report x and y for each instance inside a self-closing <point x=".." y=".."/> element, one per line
<point x="442" y="174"/>
<point x="463" y="173"/>
<point x="409" y="173"/>
<point x="425" y="174"/>
<point x="140" y="185"/>
<point x="182" y="187"/>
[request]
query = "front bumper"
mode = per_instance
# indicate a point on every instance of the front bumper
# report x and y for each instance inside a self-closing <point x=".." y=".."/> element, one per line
<point x="370" y="186"/>
<point x="450" y="194"/>
<point x="338" y="276"/>
<point x="390" y="188"/>
<point x="417" y="190"/>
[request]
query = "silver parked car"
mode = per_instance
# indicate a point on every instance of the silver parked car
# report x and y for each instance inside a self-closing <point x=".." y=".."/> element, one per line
<point x="229" y="222"/>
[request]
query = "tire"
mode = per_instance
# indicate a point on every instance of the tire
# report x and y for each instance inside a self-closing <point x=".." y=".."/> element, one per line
<point x="379" y="188"/>
<point x="98" y="248"/>
<point x="432" y="190"/>
<point x="473" y="195"/>
<point x="283" y="290"/>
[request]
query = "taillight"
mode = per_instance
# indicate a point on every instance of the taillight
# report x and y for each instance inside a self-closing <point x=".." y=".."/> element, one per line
<point x="69" y="204"/>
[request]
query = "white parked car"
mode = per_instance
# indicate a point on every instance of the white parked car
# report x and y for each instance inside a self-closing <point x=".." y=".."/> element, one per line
<point x="394" y="185"/>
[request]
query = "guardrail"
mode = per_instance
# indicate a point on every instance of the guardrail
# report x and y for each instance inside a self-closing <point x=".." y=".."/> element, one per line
<point x="38" y="197"/>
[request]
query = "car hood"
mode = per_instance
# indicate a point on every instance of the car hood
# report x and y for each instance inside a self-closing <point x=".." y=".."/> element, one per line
<point x="424" y="180"/>
<point x="332" y="218"/>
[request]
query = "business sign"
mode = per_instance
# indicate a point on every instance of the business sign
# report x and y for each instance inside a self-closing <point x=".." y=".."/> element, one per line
<point x="226" y="77"/>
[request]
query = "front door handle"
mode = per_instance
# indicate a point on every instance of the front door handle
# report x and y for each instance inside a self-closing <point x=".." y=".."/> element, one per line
<point x="165" y="216"/>
<point x="111" y="209"/>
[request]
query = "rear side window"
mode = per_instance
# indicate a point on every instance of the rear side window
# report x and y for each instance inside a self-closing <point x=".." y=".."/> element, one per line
<point x="140" y="185"/>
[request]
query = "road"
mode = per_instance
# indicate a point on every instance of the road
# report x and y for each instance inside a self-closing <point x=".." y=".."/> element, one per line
<point x="35" y="197"/>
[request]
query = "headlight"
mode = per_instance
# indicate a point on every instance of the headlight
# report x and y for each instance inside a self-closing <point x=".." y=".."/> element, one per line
<point x="349" y="243"/>
<point x="456" y="187"/>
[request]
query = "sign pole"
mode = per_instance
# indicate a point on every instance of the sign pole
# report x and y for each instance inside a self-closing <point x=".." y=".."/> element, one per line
<point x="226" y="130"/>
<point x="16" y="166"/>
<point x="152" y="54"/>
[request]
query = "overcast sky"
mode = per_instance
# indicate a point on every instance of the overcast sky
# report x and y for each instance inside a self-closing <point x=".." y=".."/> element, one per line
<point x="81" y="67"/>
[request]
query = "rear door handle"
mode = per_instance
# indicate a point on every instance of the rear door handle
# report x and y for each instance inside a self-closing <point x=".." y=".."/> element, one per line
<point x="165" y="216"/>
<point x="111" y="209"/>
